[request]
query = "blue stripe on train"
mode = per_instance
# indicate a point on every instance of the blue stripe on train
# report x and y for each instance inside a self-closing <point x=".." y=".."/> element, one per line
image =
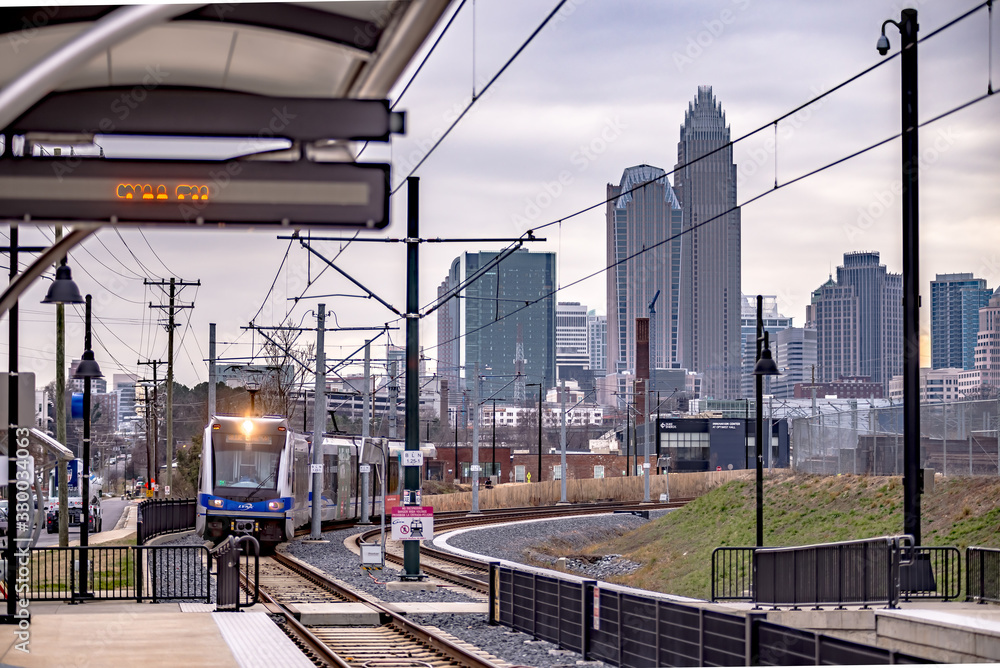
<point x="254" y="506"/>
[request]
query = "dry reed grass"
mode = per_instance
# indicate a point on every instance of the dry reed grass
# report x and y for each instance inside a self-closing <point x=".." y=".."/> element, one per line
<point x="522" y="495"/>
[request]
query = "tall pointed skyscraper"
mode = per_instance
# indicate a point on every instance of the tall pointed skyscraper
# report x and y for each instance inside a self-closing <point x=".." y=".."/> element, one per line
<point x="710" y="296"/>
<point x="642" y="211"/>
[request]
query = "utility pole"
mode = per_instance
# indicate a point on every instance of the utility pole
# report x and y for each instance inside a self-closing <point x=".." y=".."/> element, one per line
<point x="171" y="312"/>
<point x="493" y="469"/>
<point x="411" y="548"/>
<point x="211" y="370"/>
<point x="366" y="403"/>
<point x="393" y="398"/>
<point x="475" y="442"/>
<point x="319" y="424"/>
<point x="151" y="427"/>
<point x="562" y="438"/>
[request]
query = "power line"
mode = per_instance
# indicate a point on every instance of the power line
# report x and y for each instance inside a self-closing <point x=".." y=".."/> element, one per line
<point x="751" y="200"/>
<point x="476" y="98"/>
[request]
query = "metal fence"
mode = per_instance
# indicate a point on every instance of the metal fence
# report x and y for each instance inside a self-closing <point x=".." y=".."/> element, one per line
<point x="153" y="573"/>
<point x="732" y="573"/>
<point x="924" y="573"/>
<point x="161" y="516"/>
<point x="982" y="574"/>
<point x="856" y="572"/>
<point x="957" y="438"/>
<point x="626" y="628"/>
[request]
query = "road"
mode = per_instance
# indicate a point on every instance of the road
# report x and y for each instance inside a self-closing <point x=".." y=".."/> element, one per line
<point x="112" y="510"/>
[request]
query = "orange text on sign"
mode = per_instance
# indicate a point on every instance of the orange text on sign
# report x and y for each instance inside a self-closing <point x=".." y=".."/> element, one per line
<point x="148" y="191"/>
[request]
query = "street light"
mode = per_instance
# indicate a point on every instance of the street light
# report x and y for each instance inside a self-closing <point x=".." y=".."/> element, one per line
<point x="765" y="366"/>
<point x="539" y="386"/>
<point x="86" y="370"/>
<point x="907" y="26"/>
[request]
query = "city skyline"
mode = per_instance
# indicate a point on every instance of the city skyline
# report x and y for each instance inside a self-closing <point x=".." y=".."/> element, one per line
<point x="602" y="88"/>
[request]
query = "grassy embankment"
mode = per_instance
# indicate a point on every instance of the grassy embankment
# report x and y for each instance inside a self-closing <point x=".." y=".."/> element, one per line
<point x="676" y="549"/>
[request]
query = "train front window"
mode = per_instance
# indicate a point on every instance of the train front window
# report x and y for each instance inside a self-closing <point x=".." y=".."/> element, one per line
<point x="242" y="463"/>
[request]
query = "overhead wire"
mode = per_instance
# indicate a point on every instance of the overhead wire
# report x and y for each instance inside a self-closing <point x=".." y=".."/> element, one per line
<point x="728" y="211"/>
<point x="476" y="98"/>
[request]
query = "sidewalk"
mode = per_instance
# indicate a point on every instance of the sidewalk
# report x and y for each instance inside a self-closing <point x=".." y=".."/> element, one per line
<point x="119" y="633"/>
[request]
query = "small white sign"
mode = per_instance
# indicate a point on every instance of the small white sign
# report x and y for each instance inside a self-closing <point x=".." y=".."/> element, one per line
<point x="645" y="465"/>
<point x="365" y="468"/>
<point x="413" y="458"/>
<point x="475" y="468"/>
<point x="166" y="490"/>
<point x="663" y="498"/>
<point x="315" y="468"/>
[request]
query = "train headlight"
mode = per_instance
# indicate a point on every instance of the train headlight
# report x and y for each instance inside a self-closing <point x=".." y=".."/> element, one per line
<point x="247" y="427"/>
<point x="275" y="505"/>
<point x="215" y="503"/>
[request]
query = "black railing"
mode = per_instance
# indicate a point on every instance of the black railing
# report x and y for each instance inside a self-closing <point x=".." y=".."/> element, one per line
<point x="155" y="573"/>
<point x="624" y="627"/>
<point x="857" y="572"/>
<point x="732" y="573"/>
<point x="982" y="574"/>
<point x="160" y="516"/>
<point x="935" y="573"/>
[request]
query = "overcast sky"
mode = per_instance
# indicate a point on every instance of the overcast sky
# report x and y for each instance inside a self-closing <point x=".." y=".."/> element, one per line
<point x="602" y="88"/>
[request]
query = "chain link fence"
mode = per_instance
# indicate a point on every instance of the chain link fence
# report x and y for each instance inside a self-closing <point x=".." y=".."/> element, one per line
<point x="958" y="438"/>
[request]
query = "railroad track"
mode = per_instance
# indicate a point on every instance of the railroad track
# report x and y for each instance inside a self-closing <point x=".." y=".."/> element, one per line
<point x="396" y="643"/>
<point x="473" y="573"/>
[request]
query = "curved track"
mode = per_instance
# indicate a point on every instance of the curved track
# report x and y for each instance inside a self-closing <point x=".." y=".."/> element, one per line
<point x="396" y="643"/>
<point x="473" y="573"/>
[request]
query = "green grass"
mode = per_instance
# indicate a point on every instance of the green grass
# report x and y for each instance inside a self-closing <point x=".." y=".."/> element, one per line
<point x="676" y="549"/>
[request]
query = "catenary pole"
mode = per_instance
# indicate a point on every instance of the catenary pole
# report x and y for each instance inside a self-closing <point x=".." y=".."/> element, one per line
<point x="319" y="423"/>
<point x="411" y="548"/>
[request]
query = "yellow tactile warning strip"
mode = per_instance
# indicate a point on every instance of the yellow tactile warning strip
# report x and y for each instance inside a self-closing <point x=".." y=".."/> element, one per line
<point x="256" y="642"/>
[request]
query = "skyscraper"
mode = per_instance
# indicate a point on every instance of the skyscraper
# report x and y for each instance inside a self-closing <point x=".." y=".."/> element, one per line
<point x="955" y="303"/>
<point x="597" y="342"/>
<point x="859" y="321"/>
<point x="639" y="218"/>
<point x="795" y="355"/>
<point x="571" y="341"/>
<point x="710" y="296"/>
<point x="774" y="322"/>
<point x="988" y="343"/>
<point x="488" y="314"/>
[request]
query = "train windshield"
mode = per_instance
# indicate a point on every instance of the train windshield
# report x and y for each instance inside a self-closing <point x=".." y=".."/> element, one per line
<point x="246" y="463"/>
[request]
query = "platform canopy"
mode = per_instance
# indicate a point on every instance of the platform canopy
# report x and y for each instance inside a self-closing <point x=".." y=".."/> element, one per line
<point x="323" y="49"/>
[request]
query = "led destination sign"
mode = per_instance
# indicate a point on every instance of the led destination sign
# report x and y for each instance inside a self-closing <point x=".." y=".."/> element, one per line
<point x="252" y="193"/>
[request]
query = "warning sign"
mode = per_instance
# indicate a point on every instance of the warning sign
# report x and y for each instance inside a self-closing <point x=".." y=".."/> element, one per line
<point x="412" y="522"/>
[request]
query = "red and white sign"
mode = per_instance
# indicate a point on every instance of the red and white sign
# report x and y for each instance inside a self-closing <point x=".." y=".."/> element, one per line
<point x="412" y="522"/>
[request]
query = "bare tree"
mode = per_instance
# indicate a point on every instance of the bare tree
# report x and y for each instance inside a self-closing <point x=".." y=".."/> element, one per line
<point x="284" y="372"/>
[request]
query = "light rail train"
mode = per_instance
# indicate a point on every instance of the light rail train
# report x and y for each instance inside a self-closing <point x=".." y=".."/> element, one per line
<point x="255" y="478"/>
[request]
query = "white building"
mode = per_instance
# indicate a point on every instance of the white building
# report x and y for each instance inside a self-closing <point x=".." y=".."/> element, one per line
<point x="939" y="385"/>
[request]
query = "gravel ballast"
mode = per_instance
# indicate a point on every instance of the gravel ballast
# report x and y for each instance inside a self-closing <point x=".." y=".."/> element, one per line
<point x="508" y="542"/>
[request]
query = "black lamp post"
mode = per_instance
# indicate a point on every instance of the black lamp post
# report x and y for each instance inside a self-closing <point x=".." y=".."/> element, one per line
<point x="765" y="367"/>
<point x="911" y="268"/>
<point x="67" y="293"/>
<point x="86" y="370"/>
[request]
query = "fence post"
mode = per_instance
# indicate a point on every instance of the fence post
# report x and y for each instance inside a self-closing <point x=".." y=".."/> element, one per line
<point x="751" y="642"/>
<point x="491" y="618"/>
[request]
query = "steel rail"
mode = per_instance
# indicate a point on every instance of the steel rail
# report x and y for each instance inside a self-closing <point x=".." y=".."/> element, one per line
<point x="441" y="645"/>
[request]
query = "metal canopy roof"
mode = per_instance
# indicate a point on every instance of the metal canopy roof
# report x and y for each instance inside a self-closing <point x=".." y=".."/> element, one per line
<point x="325" y="49"/>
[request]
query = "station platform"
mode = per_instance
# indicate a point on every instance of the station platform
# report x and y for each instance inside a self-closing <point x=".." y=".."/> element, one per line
<point x="943" y="631"/>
